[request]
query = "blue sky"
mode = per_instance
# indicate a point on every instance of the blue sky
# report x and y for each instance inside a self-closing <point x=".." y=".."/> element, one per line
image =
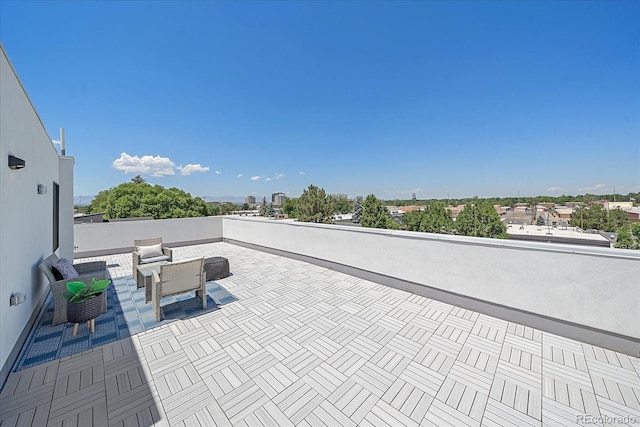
<point x="236" y="98"/>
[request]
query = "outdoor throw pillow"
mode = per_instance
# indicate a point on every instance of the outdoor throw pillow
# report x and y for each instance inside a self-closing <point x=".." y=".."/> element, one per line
<point x="149" y="251"/>
<point x="65" y="269"/>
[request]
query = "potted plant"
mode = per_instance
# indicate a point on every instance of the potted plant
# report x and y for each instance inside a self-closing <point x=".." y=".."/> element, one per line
<point x="84" y="300"/>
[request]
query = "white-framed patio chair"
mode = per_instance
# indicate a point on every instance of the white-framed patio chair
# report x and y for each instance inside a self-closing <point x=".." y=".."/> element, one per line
<point x="149" y="250"/>
<point x="178" y="278"/>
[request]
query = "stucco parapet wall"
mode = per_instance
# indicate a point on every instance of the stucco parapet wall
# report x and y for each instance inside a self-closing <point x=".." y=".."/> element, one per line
<point x="462" y="240"/>
<point x="590" y="286"/>
<point x="108" y="238"/>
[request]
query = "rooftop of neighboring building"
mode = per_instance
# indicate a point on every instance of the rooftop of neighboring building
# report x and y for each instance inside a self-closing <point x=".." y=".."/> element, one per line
<point x="543" y="230"/>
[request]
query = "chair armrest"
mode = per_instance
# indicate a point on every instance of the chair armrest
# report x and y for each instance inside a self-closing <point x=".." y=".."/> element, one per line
<point x="88" y="267"/>
<point x="135" y="262"/>
<point x="168" y="252"/>
<point x="155" y="294"/>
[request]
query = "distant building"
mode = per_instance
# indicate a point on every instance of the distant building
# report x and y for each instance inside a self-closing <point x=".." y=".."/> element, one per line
<point x="278" y="199"/>
<point x="406" y="209"/>
<point x="359" y="199"/>
<point x="617" y="205"/>
<point x="521" y="209"/>
<point x="413" y="196"/>
<point x="88" y="218"/>
<point x="564" y="212"/>
<point x="455" y="210"/>
<point x="561" y="234"/>
<point x="633" y="214"/>
<point x="250" y="200"/>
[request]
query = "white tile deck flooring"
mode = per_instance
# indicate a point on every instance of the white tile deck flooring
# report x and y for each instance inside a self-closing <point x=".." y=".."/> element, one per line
<point x="305" y="345"/>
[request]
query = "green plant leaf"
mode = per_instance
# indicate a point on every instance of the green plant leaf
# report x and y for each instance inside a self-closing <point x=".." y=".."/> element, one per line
<point x="75" y="287"/>
<point x="98" y="286"/>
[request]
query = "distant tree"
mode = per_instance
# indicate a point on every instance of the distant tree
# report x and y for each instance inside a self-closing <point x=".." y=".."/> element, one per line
<point x="138" y="180"/>
<point x="357" y="212"/>
<point x="617" y="219"/>
<point x="140" y="199"/>
<point x="269" y="212"/>
<point x="412" y="220"/>
<point x="375" y="214"/>
<point x="245" y="206"/>
<point x="290" y="207"/>
<point x="435" y="218"/>
<point x="540" y="220"/>
<point x="596" y="217"/>
<point x="480" y="219"/>
<point x="315" y="206"/>
<point x="587" y="217"/>
<point x="263" y="207"/>
<point x="629" y="237"/>
<point x="342" y="205"/>
<point x="214" y="208"/>
<point x="227" y="208"/>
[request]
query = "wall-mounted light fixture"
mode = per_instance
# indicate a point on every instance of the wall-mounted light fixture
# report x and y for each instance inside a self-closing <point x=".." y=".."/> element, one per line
<point x="15" y="162"/>
<point x="17" y="298"/>
<point x="42" y="189"/>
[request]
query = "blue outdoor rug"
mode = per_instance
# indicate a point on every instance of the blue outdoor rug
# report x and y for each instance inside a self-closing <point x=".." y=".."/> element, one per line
<point x="127" y="314"/>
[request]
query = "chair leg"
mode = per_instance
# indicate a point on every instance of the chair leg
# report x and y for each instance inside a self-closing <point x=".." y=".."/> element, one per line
<point x="203" y="295"/>
<point x="75" y="329"/>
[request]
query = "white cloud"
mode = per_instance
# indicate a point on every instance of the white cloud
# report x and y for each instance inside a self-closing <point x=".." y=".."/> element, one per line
<point x="301" y="173"/>
<point x="239" y="175"/>
<point x="255" y="178"/>
<point x="218" y="172"/>
<point x="267" y="178"/>
<point x="595" y="187"/>
<point x="191" y="169"/>
<point x="148" y="165"/>
<point x="553" y="189"/>
<point x="155" y="166"/>
<point x="280" y="175"/>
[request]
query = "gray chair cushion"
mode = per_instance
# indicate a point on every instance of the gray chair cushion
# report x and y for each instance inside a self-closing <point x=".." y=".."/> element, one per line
<point x="65" y="269"/>
<point x="154" y="259"/>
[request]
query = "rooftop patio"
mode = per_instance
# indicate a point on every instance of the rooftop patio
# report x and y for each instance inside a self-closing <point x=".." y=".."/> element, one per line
<point x="306" y="345"/>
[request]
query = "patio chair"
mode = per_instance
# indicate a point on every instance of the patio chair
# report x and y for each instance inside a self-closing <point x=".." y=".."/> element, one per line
<point x="86" y="271"/>
<point x="178" y="278"/>
<point x="149" y="250"/>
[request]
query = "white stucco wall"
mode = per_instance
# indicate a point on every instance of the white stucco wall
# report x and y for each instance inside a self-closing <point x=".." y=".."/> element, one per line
<point x="595" y="287"/>
<point x="66" y="207"/>
<point x="590" y="286"/>
<point x="26" y="218"/>
<point x="111" y="237"/>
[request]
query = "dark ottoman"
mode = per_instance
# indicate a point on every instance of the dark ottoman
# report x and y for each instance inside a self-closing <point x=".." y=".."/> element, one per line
<point x="216" y="267"/>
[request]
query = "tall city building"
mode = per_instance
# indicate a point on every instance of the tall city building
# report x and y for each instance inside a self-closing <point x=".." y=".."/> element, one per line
<point x="413" y="196"/>
<point x="278" y="199"/>
<point x="250" y="200"/>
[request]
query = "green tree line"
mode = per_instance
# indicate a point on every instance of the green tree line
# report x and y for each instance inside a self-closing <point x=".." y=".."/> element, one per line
<point x="512" y="201"/>
<point x="138" y="198"/>
<point x="479" y="218"/>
